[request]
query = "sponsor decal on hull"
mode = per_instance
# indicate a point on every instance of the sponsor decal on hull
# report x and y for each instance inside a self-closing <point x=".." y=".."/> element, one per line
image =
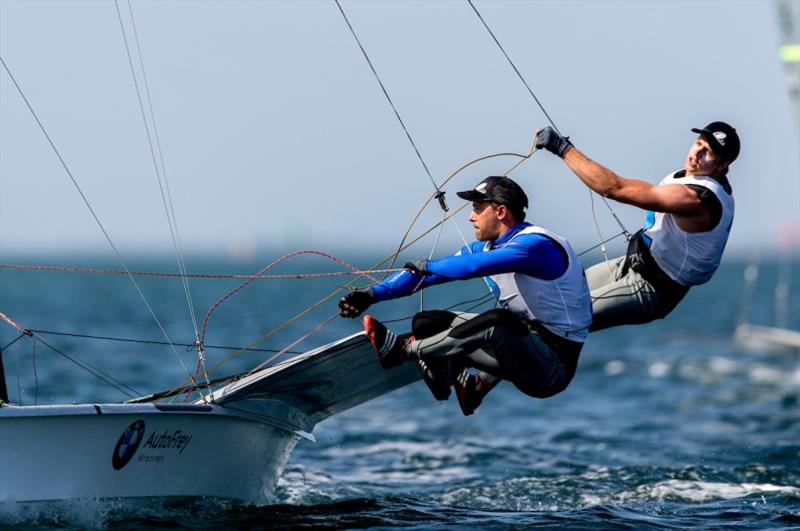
<point x="157" y="446"/>
<point x="127" y="444"/>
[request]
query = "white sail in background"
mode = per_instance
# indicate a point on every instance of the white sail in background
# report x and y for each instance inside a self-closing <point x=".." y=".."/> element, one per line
<point x="789" y="25"/>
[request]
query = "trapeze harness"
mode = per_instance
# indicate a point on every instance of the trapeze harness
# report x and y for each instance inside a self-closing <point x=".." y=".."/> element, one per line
<point x="671" y="259"/>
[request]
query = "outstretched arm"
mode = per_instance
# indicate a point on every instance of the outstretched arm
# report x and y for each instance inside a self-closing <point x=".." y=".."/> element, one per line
<point x="532" y="254"/>
<point x="673" y="199"/>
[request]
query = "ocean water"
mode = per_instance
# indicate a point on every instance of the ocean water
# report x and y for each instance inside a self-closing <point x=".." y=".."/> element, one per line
<point x="666" y="425"/>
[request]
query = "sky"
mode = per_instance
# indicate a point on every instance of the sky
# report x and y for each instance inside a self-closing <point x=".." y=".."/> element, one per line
<point x="275" y="134"/>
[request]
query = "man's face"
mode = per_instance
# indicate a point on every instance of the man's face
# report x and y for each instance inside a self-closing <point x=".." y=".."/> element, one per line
<point x="701" y="160"/>
<point x="485" y="219"/>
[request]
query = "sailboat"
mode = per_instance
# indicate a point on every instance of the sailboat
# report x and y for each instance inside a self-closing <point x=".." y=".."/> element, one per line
<point x="779" y="336"/>
<point x="753" y="336"/>
<point x="228" y="438"/>
<point x="231" y="445"/>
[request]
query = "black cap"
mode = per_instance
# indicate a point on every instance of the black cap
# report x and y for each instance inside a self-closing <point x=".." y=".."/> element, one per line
<point x="722" y="138"/>
<point x="501" y="190"/>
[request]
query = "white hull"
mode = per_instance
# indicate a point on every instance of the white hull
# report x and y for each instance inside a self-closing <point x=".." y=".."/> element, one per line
<point x="234" y="449"/>
<point x="767" y="337"/>
<point x="67" y="452"/>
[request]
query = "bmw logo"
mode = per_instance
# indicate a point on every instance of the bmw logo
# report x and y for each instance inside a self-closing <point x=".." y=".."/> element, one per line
<point x="127" y="444"/>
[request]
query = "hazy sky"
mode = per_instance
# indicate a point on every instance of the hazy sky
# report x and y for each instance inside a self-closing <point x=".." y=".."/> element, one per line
<point x="275" y="133"/>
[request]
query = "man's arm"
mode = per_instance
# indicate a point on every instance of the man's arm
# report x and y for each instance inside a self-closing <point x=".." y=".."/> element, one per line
<point x="532" y="254"/>
<point x="672" y="198"/>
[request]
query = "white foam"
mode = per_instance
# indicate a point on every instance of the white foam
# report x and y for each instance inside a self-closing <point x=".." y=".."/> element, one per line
<point x="703" y="491"/>
<point x="615" y="367"/>
<point x="658" y="369"/>
<point x="766" y="374"/>
<point x="81" y="513"/>
<point x="441" y="450"/>
<point x="721" y="365"/>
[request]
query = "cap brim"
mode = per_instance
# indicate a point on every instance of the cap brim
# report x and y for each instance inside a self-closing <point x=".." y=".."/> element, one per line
<point x="712" y="140"/>
<point x="473" y="195"/>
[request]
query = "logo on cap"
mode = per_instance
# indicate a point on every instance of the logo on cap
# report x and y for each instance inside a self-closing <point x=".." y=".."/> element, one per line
<point x="720" y="136"/>
<point x="481" y="188"/>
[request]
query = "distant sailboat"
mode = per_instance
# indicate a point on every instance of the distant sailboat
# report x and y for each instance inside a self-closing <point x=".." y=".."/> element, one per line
<point x="779" y="336"/>
<point x="761" y="337"/>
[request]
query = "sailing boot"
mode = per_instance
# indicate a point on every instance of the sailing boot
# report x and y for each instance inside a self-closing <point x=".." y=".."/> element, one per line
<point x="470" y="390"/>
<point x="391" y="349"/>
<point x="435" y="375"/>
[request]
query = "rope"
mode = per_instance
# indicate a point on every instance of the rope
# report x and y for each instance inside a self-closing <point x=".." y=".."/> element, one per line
<point x="138" y="341"/>
<point x="98" y="373"/>
<point x="16" y="325"/>
<point x="165" y="199"/>
<point x="20" y="336"/>
<point x="439" y="193"/>
<point x="26" y="267"/>
<point x="391" y="259"/>
<point x="294" y="343"/>
<point x="430" y="198"/>
<point x="91" y="210"/>
<point x="602" y="243"/>
<point x="530" y="91"/>
<point x="266" y="268"/>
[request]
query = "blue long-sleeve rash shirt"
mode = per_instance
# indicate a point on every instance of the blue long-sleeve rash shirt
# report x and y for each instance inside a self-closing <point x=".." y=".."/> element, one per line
<point x="532" y="254"/>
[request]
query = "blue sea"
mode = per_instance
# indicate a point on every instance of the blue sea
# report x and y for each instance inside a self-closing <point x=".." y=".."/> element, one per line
<point x="669" y="425"/>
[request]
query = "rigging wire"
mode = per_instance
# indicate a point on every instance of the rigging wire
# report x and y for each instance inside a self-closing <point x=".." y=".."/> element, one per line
<point x="155" y="274"/>
<point x="166" y="198"/>
<point x="98" y="373"/>
<point x="389" y="99"/>
<point x="86" y="366"/>
<point x="235" y="377"/>
<point x="530" y="91"/>
<point x="391" y="259"/>
<point x="439" y="192"/>
<point x="23" y="334"/>
<point x="141" y="341"/>
<point x="93" y="213"/>
<point x="533" y="95"/>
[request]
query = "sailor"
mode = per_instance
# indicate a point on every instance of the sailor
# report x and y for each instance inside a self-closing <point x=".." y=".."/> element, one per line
<point x="689" y="218"/>
<point x="533" y="339"/>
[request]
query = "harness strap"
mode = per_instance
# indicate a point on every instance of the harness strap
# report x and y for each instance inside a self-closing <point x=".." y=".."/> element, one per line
<point x="640" y="259"/>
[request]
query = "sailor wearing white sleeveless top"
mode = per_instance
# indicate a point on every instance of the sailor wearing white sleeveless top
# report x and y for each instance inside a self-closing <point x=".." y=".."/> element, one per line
<point x="690" y="213"/>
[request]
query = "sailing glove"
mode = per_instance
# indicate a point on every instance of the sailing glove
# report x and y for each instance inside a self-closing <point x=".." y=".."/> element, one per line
<point x="553" y="142"/>
<point x="418" y="267"/>
<point x="355" y="303"/>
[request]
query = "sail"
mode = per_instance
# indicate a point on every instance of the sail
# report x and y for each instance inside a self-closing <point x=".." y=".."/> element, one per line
<point x="789" y="51"/>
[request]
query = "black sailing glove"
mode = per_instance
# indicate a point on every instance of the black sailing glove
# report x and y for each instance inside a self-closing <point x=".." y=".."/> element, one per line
<point x="553" y="142"/>
<point x="355" y="303"/>
<point x="418" y="267"/>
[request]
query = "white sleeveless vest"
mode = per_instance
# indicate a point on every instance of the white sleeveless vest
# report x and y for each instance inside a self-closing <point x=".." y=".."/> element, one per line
<point x="690" y="258"/>
<point x="562" y="305"/>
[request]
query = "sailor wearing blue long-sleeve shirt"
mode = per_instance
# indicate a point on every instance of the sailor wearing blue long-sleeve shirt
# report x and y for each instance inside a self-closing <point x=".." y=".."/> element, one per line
<point x="532" y="340"/>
